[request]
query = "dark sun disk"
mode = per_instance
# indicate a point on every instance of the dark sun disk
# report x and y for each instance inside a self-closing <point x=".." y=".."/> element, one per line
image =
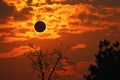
<point x="39" y="26"/>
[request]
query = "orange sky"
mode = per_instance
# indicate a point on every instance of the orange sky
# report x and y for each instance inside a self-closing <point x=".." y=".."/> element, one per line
<point x="81" y="24"/>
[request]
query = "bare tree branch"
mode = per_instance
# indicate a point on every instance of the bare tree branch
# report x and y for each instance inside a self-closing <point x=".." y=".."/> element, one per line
<point x="45" y="62"/>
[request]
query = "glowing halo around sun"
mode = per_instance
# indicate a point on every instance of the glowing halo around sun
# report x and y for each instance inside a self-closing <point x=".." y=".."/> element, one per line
<point x="40" y="26"/>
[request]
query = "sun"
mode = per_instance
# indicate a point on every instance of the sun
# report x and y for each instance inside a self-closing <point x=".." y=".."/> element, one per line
<point x="40" y="26"/>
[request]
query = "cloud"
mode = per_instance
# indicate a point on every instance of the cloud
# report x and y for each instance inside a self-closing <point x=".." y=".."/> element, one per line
<point x="79" y="46"/>
<point x="10" y="33"/>
<point x="18" y="51"/>
<point x="106" y="3"/>
<point x="29" y="2"/>
<point x="76" y="70"/>
<point x="73" y="17"/>
<point x="29" y="35"/>
<point x="2" y="30"/>
<point x="98" y="17"/>
<point x="6" y="11"/>
<point x="14" y="10"/>
<point x="24" y="14"/>
<point x="13" y="39"/>
<point x="5" y="31"/>
<point x="71" y="2"/>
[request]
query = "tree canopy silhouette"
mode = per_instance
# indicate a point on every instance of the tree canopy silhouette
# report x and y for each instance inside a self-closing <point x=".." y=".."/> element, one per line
<point x="107" y="62"/>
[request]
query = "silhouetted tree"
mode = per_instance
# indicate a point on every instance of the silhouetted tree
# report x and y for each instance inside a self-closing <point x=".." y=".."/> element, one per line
<point x="107" y="62"/>
<point x="44" y="62"/>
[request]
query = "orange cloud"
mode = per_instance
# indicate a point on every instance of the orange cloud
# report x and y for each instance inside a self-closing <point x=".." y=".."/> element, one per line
<point x="18" y="4"/>
<point x="60" y="16"/>
<point x="23" y="14"/>
<point x="7" y="11"/>
<point x="75" y="70"/>
<point x="15" y="52"/>
<point x="67" y="70"/>
<point x="79" y="46"/>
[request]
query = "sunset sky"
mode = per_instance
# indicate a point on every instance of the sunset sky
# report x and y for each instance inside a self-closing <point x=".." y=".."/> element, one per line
<point x="80" y="24"/>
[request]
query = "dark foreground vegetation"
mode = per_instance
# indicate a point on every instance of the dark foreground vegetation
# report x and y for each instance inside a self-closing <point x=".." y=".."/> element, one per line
<point x="107" y="65"/>
<point x="107" y="62"/>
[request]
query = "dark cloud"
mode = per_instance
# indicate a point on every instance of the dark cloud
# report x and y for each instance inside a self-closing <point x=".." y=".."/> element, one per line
<point x="49" y="1"/>
<point x="6" y="29"/>
<point x="100" y="10"/>
<point x="87" y="19"/>
<point x="23" y="30"/>
<point x="72" y="2"/>
<point x="110" y="3"/>
<point x="5" y="32"/>
<point x="74" y="23"/>
<point x="29" y="2"/>
<point x="6" y="11"/>
<point x="48" y="9"/>
<point x="24" y="14"/>
<point x="99" y="15"/>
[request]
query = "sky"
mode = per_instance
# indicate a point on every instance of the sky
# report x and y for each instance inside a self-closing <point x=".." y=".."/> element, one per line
<point x="80" y="24"/>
